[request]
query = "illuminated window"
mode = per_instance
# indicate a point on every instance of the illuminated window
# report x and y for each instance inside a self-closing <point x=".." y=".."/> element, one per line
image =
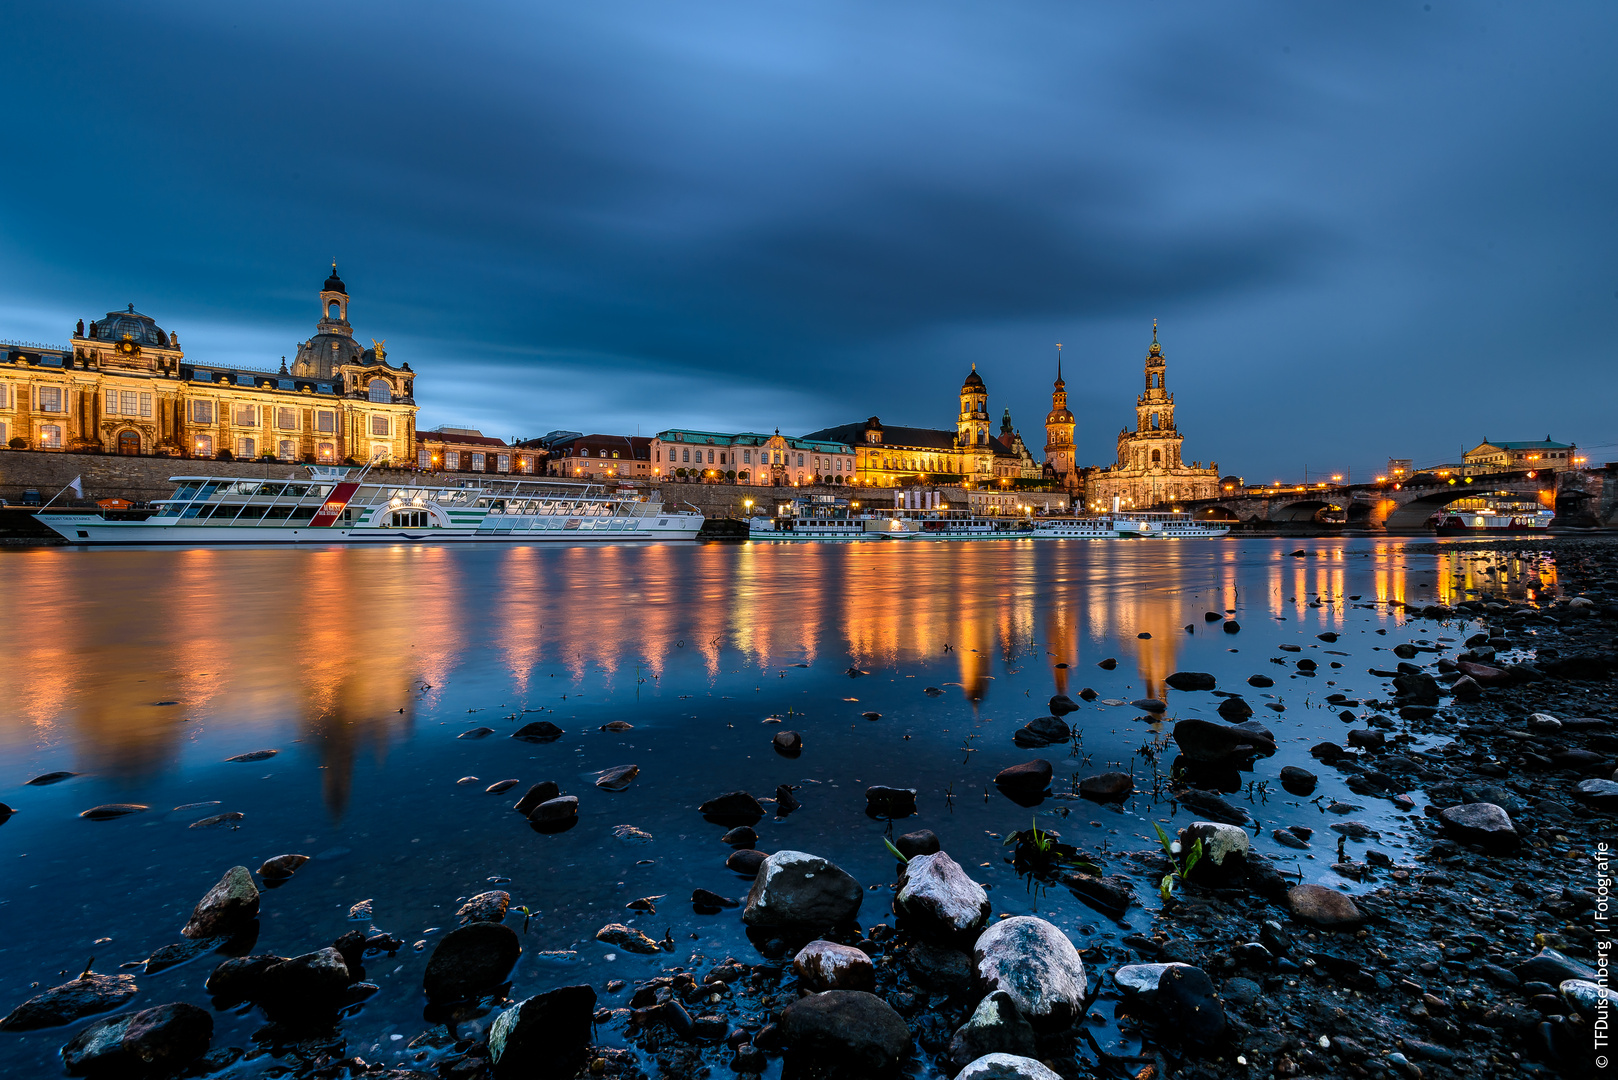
<point x="50" y="400"/>
<point x="286" y="450"/>
<point x="326" y="421"/>
<point x="50" y="436"/>
<point x="203" y="446"/>
<point x="477" y="462"/>
<point x="379" y="424"/>
<point x="245" y="448"/>
<point x="202" y="412"/>
<point x="380" y="391"/>
<point x="502" y="462"/>
<point x="326" y="451"/>
<point x="686" y="455"/>
<point x="452" y="459"/>
<point x="286" y="419"/>
<point x="146" y="404"/>
<point x="423" y="459"/>
<point x="244" y="416"/>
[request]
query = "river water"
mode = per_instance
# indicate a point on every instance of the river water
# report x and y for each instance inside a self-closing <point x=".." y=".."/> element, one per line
<point x="143" y="671"/>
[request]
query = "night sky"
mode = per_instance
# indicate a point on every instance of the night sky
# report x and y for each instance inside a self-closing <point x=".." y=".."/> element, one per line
<point x="1368" y="229"/>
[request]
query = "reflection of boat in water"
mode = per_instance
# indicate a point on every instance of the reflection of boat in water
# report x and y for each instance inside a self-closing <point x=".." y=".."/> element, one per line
<point x="329" y="508"/>
<point x="1487" y="516"/>
<point x="839" y="520"/>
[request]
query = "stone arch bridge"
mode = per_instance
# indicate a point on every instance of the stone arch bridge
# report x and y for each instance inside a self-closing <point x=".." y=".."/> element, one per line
<point x="1579" y="497"/>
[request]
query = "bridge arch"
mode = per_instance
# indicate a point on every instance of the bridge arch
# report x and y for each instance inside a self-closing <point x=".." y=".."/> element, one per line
<point x="1320" y="511"/>
<point x="1412" y="515"/>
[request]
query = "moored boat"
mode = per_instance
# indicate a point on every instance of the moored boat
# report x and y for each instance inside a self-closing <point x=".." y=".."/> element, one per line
<point x="331" y="508"/>
<point x="1487" y="516"/>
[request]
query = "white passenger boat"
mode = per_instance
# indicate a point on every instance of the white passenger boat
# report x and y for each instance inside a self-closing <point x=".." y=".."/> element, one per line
<point x="330" y="508"/>
<point x="1165" y="527"/>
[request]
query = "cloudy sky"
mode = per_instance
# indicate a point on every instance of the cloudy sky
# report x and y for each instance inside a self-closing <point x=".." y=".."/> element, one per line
<point x="1368" y="229"/>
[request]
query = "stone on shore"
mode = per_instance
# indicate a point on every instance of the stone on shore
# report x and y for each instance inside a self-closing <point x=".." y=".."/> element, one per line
<point x="90" y="993"/>
<point x="617" y="778"/>
<point x="1141" y="980"/>
<point x="1191" y="680"/>
<point x="1042" y="731"/>
<point x="995" y="1027"/>
<point x="471" y="961"/>
<point x="1061" y="705"/>
<point x="1190" y="1007"/>
<point x="1323" y="907"/>
<point x="305" y="989"/>
<point x="1480" y="823"/>
<point x="157" y="1041"/>
<point x="920" y="842"/>
<point x="241" y="978"/>
<point x="937" y="899"/>
<point x="1416" y="688"/>
<point x="745" y="861"/>
<point x="1026" y="783"/>
<point x="1235" y="709"/>
<point x="1206" y="741"/>
<point x="825" y="965"/>
<point x="1006" y="1067"/>
<point x="1106" y="787"/>
<point x="1220" y="842"/>
<point x="741" y="836"/>
<point x="542" y="792"/>
<point x="1297" y="781"/>
<point x="1598" y="793"/>
<point x="787" y="743"/>
<point x="226" y="909"/>
<point x="796" y="889"/>
<point x="733" y="808"/>
<point x="545" y="1037"/>
<point x="485" y="907"/>
<point x="846" y="1028"/>
<point x="281" y="867"/>
<point x="561" y="808"/>
<point x="627" y="938"/>
<point x="108" y="811"/>
<point x="890" y="802"/>
<point x="540" y="731"/>
<point x="1036" y="964"/>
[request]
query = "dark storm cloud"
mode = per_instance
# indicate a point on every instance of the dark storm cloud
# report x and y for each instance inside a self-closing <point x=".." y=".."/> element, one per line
<point x="1362" y="224"/>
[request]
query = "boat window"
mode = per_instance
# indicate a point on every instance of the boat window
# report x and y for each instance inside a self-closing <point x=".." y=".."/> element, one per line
<point x="278" y="513"/>
<point x="252" y="513"/>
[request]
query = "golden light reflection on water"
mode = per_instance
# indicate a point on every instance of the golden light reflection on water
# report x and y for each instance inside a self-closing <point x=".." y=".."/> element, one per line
<point x="344" y="647"/>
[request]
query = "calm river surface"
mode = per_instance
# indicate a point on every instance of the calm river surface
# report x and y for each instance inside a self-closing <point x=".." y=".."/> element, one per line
<point x="143" y="671"/>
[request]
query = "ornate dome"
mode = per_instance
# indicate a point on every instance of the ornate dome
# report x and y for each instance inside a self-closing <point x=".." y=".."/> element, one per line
<point x="334" y="283"/>
<point x="323" y="354"/>
<point x="1058" y="416"/>
<point x="142" y="329"/>
<point x="974" y="381"/>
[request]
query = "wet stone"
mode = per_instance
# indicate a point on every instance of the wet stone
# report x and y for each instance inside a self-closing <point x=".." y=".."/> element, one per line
<point x="1480" y="823"/>
<point x="996" y="1026"/>
<point x="824" y="965"/>
<point x="740" y="836"/>
<point x="1297" y="781"/>
<point x="1108" y="786"/>
<point x="708" y="900"/>
<point x="745" y="861"/>
<point x="890" y="802"/>
<point x="1191" y="680"/>
<point x="307" y="989"/>
<point x="545" y="1037"/>
<point x="561" y="808"/>
<point x="471" y="961"/>
<point x="1323" y="907"/>
<point x="787" y="743"/>
<point x="617" y="778"/>
<point x="87" y="995"/>
<point x="937" y="899"/>
<point x="733" y="808"/>
<point x="847" y="1028"/>
<point x="1191" y="1009"/>
<point x="281" y="867"/>
<point x="1006" y="1067"/>
<point x="793" y="888"/>
<point x="1027" y="781"/>
<point x="540" y="731"/>
<point x="920" y="842"/>
<point x="535" y="796"/>
<point x="1036" y="964"/>
<point x="226" y="909"/>
<point x="627" y="938"/>
<point x="485" y="907"/>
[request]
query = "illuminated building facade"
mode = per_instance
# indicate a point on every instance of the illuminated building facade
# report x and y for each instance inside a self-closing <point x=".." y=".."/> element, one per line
<point x="751" y="458"/>
<point x="1059" y="425"/>
<point x="886" y="455"/>
<point x="1150" y="471"/>
<point x="600" y="457"/>
<point x="1490" y="456"/>
<point x="124" y="386"/>
<point x="453" y="449"/>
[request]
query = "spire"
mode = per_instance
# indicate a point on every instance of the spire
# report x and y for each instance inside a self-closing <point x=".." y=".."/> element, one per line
<point x="1059" y="381"/>
<point x="1154" y="325"/>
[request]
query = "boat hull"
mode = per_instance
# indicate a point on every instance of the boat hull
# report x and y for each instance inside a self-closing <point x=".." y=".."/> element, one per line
<point x="92" y="529"/>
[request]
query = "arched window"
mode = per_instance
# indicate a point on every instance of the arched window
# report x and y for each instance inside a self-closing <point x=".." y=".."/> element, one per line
<point x="333" y="310"/>
<point x="1157" y="455"/>
<point x="285" y="451"/>
<point x="380" y="391"/>
<point x="50" y="436"/>
<point x="1154" y="428"/>
<point x="204" y="446"/>
<point x="326" y="451"/>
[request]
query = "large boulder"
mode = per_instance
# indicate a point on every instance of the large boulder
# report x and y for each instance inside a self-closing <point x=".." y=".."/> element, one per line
<point x="1206" y="741"/>
<point x="1036" y="964"/>
<point x="227" y="909"/>
<point x="1006" y="1067"/>
<point x="825" y="965"/>
<point x="306" y="989"/>
<point x="1221" y="844"/>
<point x="846" y="1028"/>
<point x="1480" y="823"/>
<point x="546" y="1037"/>
<point x="995" y="1027"/>
<point x="937" y="899"/>
<point x="471" y="961"/>
<point x="156" y="1041"/>
<point x="794" y="888"/>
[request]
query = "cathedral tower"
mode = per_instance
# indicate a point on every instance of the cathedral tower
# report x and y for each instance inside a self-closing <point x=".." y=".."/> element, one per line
<point x="972" y="426"/>
<point x="1059" y="426"/>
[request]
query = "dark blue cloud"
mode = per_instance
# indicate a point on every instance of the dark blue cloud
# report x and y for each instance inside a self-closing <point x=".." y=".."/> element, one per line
<point x="1367" y="229"/>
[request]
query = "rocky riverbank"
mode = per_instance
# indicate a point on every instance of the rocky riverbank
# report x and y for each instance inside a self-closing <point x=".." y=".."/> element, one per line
<point x="1462" y="942"/>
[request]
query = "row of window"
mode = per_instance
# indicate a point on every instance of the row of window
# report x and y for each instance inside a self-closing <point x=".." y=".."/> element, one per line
<point x="765" y="457"/>
<point x="477" y="461"/>
<point x="139" y="403"/>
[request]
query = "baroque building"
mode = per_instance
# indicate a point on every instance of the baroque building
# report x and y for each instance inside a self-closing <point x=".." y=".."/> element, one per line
<point x="887" y="455"/>
<point x="750" y="458"/>
<point x="125" y="386"/>
<point x="1059" y="426"/>
<point x="1150" y="471"/>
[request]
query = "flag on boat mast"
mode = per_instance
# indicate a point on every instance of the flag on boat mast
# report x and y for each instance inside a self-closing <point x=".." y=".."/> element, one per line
<point x="76" y="485"/>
